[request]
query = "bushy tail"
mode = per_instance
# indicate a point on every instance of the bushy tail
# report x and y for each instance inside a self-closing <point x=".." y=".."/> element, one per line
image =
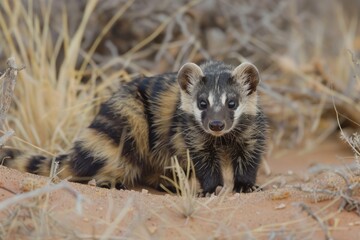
<point x="25" y="162"/>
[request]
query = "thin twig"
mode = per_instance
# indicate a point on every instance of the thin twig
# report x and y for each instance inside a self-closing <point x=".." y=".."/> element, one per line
<point x="49" y="188"/>
<point x="8" y="86"/>
<point x="322" y="224"/>
<point x="7" y="189"/>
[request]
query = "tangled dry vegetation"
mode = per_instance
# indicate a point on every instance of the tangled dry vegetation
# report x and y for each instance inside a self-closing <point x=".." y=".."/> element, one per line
<point x="77" y="52"/>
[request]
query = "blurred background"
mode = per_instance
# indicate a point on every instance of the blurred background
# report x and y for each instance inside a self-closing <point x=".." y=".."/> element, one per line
<point x="77" y="52"/>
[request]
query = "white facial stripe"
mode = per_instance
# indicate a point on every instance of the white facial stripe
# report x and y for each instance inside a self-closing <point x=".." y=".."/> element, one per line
<point x="186" y="103"/>
<point x="197" y="113"/>
<point x="239" y="111"/>
<point x="211" y="99"/>
<point x="223" y="98"/>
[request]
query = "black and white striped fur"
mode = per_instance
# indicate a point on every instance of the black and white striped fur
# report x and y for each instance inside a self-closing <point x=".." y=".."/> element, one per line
<point x="211" y="110"/>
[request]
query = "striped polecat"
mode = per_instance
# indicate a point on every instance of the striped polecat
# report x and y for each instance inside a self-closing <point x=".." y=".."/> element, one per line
<point x="210" y="110"/>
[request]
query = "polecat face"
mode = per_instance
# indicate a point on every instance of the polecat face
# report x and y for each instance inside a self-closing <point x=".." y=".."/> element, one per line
<point x="218" y="97"/>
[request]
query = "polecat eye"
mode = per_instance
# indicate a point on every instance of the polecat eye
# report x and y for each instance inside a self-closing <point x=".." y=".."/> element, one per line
<point x="231" y="104"/>
<point x="202" y="104"/>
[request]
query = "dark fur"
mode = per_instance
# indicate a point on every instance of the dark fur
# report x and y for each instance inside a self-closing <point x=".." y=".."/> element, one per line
<point x="138" y="130"/>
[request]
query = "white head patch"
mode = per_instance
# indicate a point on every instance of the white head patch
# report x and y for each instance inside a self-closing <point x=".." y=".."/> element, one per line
<point x="223" y="99"/>
<point x="211" y="99"/>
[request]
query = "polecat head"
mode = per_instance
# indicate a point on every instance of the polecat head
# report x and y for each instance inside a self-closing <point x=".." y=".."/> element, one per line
<point x="218" y="95"/>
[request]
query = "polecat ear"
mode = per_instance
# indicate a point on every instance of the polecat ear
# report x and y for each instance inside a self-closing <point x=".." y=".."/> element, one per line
<point x="247" y="73"/>
<point x="188" y="75"/>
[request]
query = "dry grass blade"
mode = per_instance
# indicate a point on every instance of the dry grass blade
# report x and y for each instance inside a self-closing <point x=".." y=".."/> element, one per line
<point x="124" y="211"/>
<point x="75" y="43"/>
<point x="104" y="31"/>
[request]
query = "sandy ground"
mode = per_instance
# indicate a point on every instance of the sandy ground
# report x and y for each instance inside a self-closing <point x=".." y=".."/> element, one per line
<point x="275" y="213"/>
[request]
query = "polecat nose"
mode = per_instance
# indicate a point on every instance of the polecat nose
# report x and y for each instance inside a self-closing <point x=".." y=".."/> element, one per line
<point x="216" y="125"/>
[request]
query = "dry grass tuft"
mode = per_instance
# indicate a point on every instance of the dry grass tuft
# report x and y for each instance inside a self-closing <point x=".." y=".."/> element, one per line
<point x="185" y="185"/>
<point x="75" y="61"/>
<point x="52" y="90"/>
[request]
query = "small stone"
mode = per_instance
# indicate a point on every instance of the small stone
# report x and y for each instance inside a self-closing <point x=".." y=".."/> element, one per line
<point x="280" y="194"/>
<point x="280" y="206"/>
<point x="354" y="223"/>
<point x="152" y="229"/>
<point x="92" y="182"/>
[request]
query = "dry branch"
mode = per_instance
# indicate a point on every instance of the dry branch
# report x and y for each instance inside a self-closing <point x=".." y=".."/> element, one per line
<point x="47" y="189"/>
<point x="8" y="85"/>
<point x="322" y="224"/>
<point x="345" y="193"/>
<point x="8" y="79"/>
